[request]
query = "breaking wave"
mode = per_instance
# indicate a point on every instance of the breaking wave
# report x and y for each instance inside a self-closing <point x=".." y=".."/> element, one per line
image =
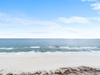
<point x="4" y="48"/>
<point x="50" y="49"/>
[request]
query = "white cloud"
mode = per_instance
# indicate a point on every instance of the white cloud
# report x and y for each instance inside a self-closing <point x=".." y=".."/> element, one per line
<point x="24" y="21"/>
<point x="31" y="22"/>
<point x="74" y="19"/>
<point x="58" y="33"/>
<point x="96" y="6"/>
<point x="2" y="14"/>
<point x="47" y="32"/>
<point x="96" y="19"/>
<point x="88" y="0"/>
<point x="48" y="29"/>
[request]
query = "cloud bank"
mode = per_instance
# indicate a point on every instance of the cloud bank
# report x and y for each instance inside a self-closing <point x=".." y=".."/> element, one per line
<point x="58" y="28"/>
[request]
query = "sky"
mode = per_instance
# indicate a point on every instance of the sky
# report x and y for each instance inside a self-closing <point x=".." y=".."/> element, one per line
<point x="49" y="18"/>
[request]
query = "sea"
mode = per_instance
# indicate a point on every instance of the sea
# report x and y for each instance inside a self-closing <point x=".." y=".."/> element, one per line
<point x="49" y="45"/>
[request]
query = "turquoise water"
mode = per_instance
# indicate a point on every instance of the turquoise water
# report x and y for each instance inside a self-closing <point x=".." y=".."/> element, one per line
<point x="49" y="45"/>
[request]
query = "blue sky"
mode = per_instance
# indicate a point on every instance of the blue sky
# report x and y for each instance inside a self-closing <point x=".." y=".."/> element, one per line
<point x="49" y="19"/>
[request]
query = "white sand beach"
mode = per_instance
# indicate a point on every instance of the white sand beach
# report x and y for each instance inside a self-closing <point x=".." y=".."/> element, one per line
<point x="29" y="62"/>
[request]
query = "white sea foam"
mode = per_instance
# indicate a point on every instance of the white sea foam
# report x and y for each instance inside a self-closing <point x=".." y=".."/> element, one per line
<point x="48" y="53"/>
<point x="66" y="47"/>
<point x="10" y="48"/>
<point x="35" y="47"/>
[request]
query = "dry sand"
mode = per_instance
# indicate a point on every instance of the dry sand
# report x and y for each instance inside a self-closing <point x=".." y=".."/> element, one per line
<point x="29" y="62"/>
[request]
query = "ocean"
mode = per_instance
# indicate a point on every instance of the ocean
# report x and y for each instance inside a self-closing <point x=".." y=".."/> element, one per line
<point x="49" y="45"/>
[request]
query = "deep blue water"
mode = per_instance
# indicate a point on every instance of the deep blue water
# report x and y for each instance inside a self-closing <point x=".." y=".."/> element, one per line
<point x="49" y="45"/>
